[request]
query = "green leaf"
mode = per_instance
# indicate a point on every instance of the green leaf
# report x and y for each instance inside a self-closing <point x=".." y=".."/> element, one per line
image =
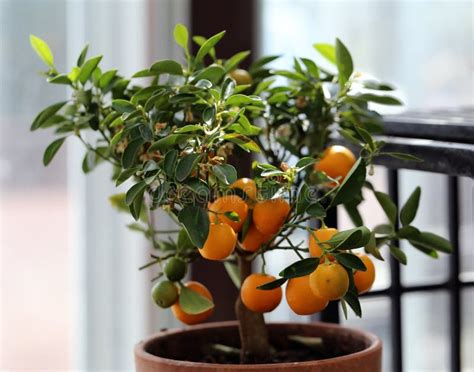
<point x="82" y="56"/>
<point x="42" y="49"/>
<point x="51" y="150"/>
<point x="123" y="106"/>
<point x="233" y="272"/>
<point x="350" y="261"/>
<point x="168" y="141"/>
<point x="241" y="100"/>
<point x="208" y="115"/>
<point x="208" y="45"/>
<point x="327" y="51"/>
<point x="273" y="284"/>
<point x="185" y="166"/>
<point x="88" y="68"/>
<point x="134" y="192"/>
<point x="304" y="162"/>
<point x="60" y="79"/>
<point x="399" y="255"/>
<point x="167" y="66"/>
<point x="243" y="142"/>
<point x="169" y="162"/>
<point x="125" y="175"/>
<point x="352" y="238"/>
<point x="409" y="209"/>
<point x="106" y="78"/>
<point x="428" y="251"/>
<point x="226" y="173"/>
<point x="383" y="100"/>
<point x="259" y="63"/>
<point x="234" y="61"/>
<point x="130" y="153"/>
<point x="353" y="212"/>
<point x="432" y="241"/>
<point x="212" y="73"/>
<point x="408" y="232"/>
<point x="311" y="67"/>
<point x="191" y="302"/>
<point x="352" y="184"/>
<point x="160" y="192"/>
<point x="300" y="268"/>
<point x="316" y="210"/>
<point x="196" y="222"/>
<point x="343" y="62"/>
<point x="181" y="36"/>
<point x="371" y="247"/>
<point x="387" y="205"/>
<point x="352" y="300"/>
<point x="184" y="242"/>
<point x="303" y="201"/>
<point x="44" y="115"/>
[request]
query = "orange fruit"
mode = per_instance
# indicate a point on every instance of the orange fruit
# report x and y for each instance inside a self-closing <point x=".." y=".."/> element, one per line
<point x="229" y="203"/>
<point x="241" y="76"/>
<point x="363" y="280"/>
<point x="193" y="318"/>
<point x="220" y="242"/>
<point x="301" y="298"/>
<point x="323" y="235"/>
<point x="254" y="239"/>
<point x="329" y="281"/>
<point x="336" y="162"/>
<point x="259" y="300"/>
<point x="270" y="215"/>
<point x="247" y="185"/>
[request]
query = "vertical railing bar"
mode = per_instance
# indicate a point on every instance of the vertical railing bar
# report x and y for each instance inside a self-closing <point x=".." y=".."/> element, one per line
<point x="396" y="288"/>
<point x="455" y="288"/>
<point x="331" y="313"/>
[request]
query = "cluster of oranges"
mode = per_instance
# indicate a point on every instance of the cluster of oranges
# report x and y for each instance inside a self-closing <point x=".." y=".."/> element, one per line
<point x="267" y="218"/>
<point x="311" y="293"/>
<point x="306" y="294"/>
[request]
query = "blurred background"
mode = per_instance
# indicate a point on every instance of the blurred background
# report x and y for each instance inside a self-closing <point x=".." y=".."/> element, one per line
<point x="71" y="295"/>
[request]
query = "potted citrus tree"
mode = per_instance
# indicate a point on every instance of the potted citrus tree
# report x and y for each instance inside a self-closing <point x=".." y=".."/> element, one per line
<point x="170" y="131"/>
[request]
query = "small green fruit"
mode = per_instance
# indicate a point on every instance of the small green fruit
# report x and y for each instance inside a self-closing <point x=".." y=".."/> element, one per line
<point x="241" y="77"/>
<point x="164" y="294"/>
<point x="175" y="269"/>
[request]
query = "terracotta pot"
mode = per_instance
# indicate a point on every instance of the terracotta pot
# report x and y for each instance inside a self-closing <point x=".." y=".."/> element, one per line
<point x="174" y="350"/>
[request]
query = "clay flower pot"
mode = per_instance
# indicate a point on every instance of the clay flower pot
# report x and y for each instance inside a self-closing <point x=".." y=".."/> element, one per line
<point x="180" y="350"/>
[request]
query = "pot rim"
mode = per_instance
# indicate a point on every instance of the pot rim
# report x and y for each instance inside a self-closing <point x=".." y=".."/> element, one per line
<point x="140" y="348"/>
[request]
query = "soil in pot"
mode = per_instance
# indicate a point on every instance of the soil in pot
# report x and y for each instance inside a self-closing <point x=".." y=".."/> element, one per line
<point x="291" y="343"/>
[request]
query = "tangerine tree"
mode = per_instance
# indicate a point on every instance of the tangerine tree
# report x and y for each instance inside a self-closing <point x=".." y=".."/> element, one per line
<point x="168" y="132"/>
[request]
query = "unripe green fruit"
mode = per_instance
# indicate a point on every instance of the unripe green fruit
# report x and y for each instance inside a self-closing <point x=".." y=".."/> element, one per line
<point x="164" y="294"/>
<point x="241" y="77"/>
<point x="175" y="269"/>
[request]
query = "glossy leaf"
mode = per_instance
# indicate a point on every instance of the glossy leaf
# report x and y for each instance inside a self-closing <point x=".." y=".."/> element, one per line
<point x="352" y="184"/>
<point x="208" y="45"/>
<point x="343" y="62"/>
<point x="233" y="272"/>
<point x="46" y="114"/>
<point x="226" y="173"/>
<point x="387" y="205"/>
<point x="196" y="222"/>
<point x="130" y="153"/>
<point x="181" y="36"/>
<point x="429" y="240"/>
<point x="191" y="302"/>
<point x="383" y="100"/>
<point x="82" y="56"/>
<point x="51" y="150"/>
<point x="409" y="209"/>
<point x="273" y="284"/>
<point x="88" y="68"/>
<point x="300" y="268"/>
<point x="327" y="51"/>
<point x="167" y="66"/>
<point x="350" y="261"/>
<point x="185" y="166"/>
<point x="135" y="191"/>
<point x="399" y="255"/>
<point x="42" y="49"/>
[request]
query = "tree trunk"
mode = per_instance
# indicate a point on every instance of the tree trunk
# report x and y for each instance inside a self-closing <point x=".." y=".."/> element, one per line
<point x="253" y="332"/>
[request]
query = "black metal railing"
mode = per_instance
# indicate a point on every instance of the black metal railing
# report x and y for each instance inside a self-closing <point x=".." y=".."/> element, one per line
<point x="445" y="141"/>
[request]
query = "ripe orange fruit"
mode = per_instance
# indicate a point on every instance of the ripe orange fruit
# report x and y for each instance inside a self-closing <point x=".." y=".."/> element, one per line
<point x="363" y="280"/>
<point x="259" y="300"/>
<point x="323" y="235"/>
<point x="193" y="318"/>
<point x="336" y="162"/>
<point x="301" y="298"/>
<point x="241" y="76"/>
<point x="270" y="215"/>
<point x="329" y="281"/>
<point x="229" y="203"/>
<point x="220" y="242"/>
<point x="247" y="185"/>
<point x="254" y="239"/>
